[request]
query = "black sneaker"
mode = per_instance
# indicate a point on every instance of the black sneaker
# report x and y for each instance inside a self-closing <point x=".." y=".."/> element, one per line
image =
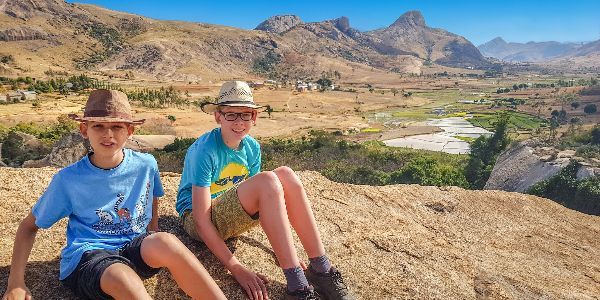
<point x="329" y="285"/>
<point x="305" y="294"/>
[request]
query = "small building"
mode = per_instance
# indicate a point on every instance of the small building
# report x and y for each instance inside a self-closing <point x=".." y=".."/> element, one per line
<point x="13" y="97"/>
<point x="271" y="81"/>
<point x="302" y="88"/>
<point x="29" y="95"/>
<point x="69" y="85"/>
<point x="257" y="84"/>
<point x="332" y="87"/>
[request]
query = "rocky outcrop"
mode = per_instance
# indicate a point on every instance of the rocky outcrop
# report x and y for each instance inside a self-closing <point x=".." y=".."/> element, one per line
<point x="23" y="33"/>
<point x="69" y="149"/>
<point x="279" y="24"/>
<point x="72" y="147"/>
<point x="522" y="166"/>
<point x="389" y="242"/>
<point x="412" y="18"/>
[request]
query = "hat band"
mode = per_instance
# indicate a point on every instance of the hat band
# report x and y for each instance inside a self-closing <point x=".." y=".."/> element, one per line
<point x="107" y="114"/>
<point x="236" y="102"/>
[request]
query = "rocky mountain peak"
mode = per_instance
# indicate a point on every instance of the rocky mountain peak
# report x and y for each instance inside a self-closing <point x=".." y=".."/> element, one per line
<point x="279" y="23"/>
<point x="412" y="18"/>
<point x="342" y="23"/>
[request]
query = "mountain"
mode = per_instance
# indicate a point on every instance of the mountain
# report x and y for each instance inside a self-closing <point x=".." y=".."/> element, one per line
<point x="410" y="34"/>
<point x="389" y="242"/>
<point x="53" y="35"/>
<point x="530" y="52"/>
<point x="589" y="52"/>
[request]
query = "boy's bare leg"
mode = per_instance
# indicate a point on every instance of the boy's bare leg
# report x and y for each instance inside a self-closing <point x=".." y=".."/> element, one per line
<point x="264" y="193"/>
<point x="299" y="212"/>
<point x="121" y="282"/>
<point x="166" y="250"/>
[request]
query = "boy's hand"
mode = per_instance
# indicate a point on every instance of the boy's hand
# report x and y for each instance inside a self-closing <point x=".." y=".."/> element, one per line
<point x="18" y="293"/>
<point x="253" y="283"/>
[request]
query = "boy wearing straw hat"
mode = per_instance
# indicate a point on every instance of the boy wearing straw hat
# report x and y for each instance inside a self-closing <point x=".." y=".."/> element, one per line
<point x="111" y="199"/>
<point x="222" y="192"/>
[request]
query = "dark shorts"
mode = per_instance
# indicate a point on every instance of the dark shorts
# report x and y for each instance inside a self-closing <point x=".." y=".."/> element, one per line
<point x="84" y="281"/>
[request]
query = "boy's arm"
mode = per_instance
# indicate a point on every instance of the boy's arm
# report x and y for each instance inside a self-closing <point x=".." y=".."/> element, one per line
<point x="153" y="225"/>
<point x="250" y="281"/>
<point x="24" y="240"/>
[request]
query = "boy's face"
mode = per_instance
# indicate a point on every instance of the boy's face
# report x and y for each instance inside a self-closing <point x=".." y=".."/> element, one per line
<point x="107" y="139"/>
<point x="242" y="119"/>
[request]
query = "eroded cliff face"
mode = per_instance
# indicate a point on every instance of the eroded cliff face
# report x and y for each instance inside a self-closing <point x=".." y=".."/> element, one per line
<point x="390" y="242"/>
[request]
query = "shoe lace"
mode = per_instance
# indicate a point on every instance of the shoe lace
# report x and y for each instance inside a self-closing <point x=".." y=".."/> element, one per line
<point x="338" y="282"/>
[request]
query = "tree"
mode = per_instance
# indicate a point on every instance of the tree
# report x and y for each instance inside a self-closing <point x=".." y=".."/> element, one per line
<point x="555" y="113"/>
<point x="484" y="152"/>
<point x="515" y="87"/>
<point x="575" y="105"/>
<point x="590" y="109"/>
<point x="394" y="91"/>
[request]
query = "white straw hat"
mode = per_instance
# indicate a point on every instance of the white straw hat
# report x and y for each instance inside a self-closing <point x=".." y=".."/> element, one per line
<point x="233" y="93"/>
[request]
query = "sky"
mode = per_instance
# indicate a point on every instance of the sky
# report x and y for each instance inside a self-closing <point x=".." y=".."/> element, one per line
<point x="478" y="21"/>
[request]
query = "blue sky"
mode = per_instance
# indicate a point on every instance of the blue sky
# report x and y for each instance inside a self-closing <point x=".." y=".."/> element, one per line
<point x="478" y="21"/>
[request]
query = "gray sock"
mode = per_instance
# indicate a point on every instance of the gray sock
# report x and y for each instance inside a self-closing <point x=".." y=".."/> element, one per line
<point x="295" y="278"/>
<point x="320" y="264"/>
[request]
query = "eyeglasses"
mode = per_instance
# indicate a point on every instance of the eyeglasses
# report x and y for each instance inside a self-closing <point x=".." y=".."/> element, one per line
<point x="247" y="116"/>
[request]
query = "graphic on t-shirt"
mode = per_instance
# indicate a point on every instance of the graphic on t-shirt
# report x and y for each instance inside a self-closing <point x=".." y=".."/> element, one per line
<point x="127" y="223"/>
<point x="230" y="175"/>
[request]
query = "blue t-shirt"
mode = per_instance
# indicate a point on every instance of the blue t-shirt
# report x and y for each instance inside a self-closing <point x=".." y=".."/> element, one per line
<point x="210" y="163"/>
<point x="106" y="208"/>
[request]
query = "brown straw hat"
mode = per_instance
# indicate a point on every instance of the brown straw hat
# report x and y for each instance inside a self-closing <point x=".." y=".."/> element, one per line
<point x="233" y="93"/>
<point x="107" y="106"/>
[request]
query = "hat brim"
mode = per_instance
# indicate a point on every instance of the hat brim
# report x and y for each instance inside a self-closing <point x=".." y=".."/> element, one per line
<point x="210" y="108"/>
<point x="105" y="119"/>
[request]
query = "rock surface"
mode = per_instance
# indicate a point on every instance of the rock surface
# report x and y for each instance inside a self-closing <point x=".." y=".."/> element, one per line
<point x="390" y="242"/>
<point x="72" y="147"/>
<point x="279" y="23"/>
<point x="522" y="166"/>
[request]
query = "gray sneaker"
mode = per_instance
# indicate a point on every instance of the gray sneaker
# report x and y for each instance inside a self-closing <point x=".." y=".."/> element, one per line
<point x="305" y="294"/>
<point x="331" y="285"/>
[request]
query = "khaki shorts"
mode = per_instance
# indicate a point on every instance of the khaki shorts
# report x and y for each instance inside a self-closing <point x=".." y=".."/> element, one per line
<point x="227" y="215"/>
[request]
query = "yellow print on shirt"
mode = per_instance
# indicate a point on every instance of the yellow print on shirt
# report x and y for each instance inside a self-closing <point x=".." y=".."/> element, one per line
<point x="230" y="175"/>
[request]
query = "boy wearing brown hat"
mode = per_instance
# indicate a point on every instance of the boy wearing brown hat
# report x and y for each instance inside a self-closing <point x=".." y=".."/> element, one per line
<point x="111" y="199"/>
<point x="222" y="192"/>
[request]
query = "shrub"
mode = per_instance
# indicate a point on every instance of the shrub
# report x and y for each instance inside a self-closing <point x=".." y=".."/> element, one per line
<point x="564" y="188"/>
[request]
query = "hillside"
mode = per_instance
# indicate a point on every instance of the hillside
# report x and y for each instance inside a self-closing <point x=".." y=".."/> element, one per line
<point x="390" y="242"/>
<point x="57" y="36"/>
<point x="529" y="52"/>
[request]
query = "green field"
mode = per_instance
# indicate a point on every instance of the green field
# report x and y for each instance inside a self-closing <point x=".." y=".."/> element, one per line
<point x="519" y="121"/>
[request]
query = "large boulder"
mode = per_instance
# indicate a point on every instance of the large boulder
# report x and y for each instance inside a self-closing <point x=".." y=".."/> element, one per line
<point x="72" y="147"/>
<point x="69" y="149"/>
<point x="389" y="242"/>
<point x="520" y="167"/>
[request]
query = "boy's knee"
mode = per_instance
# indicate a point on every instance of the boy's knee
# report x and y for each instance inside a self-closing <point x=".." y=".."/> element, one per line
<point x="269" y="179"/>
<point x="164" y="240"/>
<point x="118" y="274"/>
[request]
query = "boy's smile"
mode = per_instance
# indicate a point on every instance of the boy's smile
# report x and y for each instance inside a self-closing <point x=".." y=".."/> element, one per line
<point x="234" y="131"/>
<point x="107" y="139"/>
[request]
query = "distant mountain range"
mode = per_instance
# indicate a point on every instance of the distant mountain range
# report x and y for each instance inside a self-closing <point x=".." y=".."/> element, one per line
<point x="529" y="52"/>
